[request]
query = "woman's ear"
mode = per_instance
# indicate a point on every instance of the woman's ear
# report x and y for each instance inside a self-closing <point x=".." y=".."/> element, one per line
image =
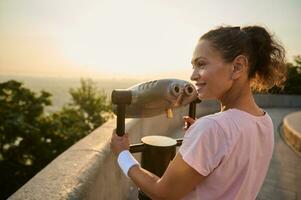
<point x="240" y="65"/>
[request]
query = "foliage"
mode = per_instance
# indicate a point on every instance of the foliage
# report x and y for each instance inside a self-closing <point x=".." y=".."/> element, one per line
<point x="22" y="134"/>
<point x="86" y="111"/>
<point x="90" y="103"/>
<point x="30" y="139"/>
<point x="293" y="82"/>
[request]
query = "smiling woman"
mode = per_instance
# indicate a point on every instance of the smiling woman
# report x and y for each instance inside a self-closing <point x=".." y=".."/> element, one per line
<point x="224" y="155"/>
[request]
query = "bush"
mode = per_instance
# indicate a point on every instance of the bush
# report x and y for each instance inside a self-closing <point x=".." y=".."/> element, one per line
<point x="30" y="139"/>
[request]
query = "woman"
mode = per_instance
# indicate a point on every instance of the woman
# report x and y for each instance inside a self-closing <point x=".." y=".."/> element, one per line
<point x="224" y="155"/>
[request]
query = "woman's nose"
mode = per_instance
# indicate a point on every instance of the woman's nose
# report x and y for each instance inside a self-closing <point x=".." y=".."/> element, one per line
<point x="195" y="75"/>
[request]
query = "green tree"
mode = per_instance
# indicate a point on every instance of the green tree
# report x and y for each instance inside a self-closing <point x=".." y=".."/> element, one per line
<point x="23" y="130"/>
<point x="87" y="110"/>
<point x="30" y="139"/>
<point x="91" y="104"/>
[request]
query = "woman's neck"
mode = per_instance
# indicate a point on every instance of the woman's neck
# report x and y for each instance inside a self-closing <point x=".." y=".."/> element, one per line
<point x="240" y="97"/>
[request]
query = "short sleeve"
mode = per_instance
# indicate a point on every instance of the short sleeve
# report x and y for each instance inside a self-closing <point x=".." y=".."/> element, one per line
<point x="204" y="146"/>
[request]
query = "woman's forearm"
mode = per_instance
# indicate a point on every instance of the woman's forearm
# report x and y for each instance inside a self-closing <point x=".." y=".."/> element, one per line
<point x="147" y="182"/>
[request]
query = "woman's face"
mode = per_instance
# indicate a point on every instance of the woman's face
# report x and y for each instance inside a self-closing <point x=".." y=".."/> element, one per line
<point x="210" y="72"/>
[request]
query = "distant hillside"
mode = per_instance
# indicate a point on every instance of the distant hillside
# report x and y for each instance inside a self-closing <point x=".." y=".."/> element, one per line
<point x="59" y="87"/>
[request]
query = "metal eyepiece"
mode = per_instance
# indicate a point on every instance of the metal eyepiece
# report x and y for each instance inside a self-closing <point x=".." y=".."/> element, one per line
<point x="188" y="90"/>
<point x="176" y="90"/>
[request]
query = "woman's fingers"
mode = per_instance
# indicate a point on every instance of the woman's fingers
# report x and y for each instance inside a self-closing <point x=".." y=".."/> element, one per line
<point x="188" y="121"/>
<point x="119" y="143"/>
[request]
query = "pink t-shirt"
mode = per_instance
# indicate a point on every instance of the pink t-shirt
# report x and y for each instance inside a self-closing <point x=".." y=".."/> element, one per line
<point x="233" y="148"/>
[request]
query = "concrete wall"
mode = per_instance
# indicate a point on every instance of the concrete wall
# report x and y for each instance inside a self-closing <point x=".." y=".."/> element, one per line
<point x="88" y="170"/>
<point x="284" y="101"/>
<point x="292" y="130"/>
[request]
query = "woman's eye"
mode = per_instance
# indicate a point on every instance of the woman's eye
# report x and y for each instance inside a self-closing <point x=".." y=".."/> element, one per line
<point x="200" y="65"/>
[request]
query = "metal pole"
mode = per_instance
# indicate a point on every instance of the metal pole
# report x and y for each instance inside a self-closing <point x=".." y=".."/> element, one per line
<point x="192" y="110"/>
<point x="120" y="130"/>
<point x="121" y="98"/>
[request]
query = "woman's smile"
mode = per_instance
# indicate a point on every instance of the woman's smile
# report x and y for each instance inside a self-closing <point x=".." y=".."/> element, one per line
<point x="200" y="87"/>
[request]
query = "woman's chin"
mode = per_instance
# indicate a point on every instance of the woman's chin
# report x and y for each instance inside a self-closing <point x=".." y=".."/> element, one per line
<point x="203" y="96"/>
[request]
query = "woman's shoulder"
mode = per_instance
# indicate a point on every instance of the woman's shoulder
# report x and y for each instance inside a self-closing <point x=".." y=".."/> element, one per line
<point x="235" y="121"/>
<point x="217" y="117"/>
<point x="209" y="123"/>
<point x="227" y="121"/>
<point x="236" y="114"/>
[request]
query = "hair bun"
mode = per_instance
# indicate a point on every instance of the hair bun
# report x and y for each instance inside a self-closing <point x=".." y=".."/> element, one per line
<point x="268" y="57"/>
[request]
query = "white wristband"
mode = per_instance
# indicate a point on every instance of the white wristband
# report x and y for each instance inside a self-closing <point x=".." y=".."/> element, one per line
<point x="126" y="161"/>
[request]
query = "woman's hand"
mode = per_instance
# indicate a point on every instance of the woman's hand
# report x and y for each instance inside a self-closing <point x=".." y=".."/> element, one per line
<point x="188" y="121"/>
<point x="118" y="144"/>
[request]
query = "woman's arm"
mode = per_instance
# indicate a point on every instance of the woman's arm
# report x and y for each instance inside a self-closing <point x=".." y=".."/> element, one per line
<point x="178" y="180"/>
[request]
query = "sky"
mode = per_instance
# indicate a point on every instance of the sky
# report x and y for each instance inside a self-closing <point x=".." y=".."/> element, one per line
<point x="127" y="39"/>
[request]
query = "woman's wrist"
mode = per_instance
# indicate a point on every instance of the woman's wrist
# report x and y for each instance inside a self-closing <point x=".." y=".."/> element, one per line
<point x="125" y="161"/>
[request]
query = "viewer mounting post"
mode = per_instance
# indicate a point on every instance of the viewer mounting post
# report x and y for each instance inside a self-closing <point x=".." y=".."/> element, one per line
<point x="121" y="98"/>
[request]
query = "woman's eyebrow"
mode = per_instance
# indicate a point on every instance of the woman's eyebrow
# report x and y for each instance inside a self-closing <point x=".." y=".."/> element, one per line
<point x="194" y="61"/>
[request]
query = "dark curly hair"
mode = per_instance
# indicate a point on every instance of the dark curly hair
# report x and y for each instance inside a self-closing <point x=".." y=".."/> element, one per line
<point x="265" y="55"/>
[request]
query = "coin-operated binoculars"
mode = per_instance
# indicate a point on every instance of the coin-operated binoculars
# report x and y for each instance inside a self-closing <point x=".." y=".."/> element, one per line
<point x="149" y="99"/>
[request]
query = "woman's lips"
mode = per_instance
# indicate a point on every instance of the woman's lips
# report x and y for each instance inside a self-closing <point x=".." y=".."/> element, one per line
<point x="200" y="85"/>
